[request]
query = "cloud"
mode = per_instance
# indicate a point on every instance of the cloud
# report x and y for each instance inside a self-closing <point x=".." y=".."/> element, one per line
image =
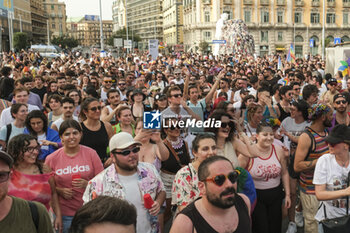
<point x="77" y="8"/>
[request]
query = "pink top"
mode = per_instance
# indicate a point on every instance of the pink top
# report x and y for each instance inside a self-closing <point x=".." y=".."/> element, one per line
<point x="30" y="187"/>
<point x="86" y="163"/>
<point x="266" y="173"/>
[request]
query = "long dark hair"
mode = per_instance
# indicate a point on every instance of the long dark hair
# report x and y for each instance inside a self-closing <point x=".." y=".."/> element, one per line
<point x="84" y="107"/>
<point x="36" y="114"/>
<point x="216" y="116"/>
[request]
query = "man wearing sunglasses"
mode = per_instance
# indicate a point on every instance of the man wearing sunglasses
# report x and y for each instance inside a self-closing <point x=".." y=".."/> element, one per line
<point x="128" y="179"/>
<point x="15" y="213"/>
<point x="328" y="96"/>
<point x="341" y="115"/>
<point x="106" y="86"/>
<point x="221" y="208"/>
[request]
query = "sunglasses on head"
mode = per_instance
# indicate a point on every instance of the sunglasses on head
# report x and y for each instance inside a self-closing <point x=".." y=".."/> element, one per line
<point x="341" y="102"/>
<point x="94" y="109"/>
<point x="225" y="124"/>
<point x="219" y="180"/>
<point x="127" y="152"/>
<point x="4" y="176"/>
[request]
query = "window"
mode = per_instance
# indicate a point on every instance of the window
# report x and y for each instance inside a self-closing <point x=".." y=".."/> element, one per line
<point x="299" y="39"/>
<point x="59" y="8"/>
<point x="247" y="16"/>
<point x="264" y="36"/>
<point x="53" y="26"/>
<point x="264" y="16"/>
<point x="345" y="18"/>
<point x="280" y="17"/>
<point x="207" y="16"/>
<point x="52" y="7"/>
<point x="280" y="36"/>
<point x="207" y="35"/>
<point x="229" y="14"/>
<point x="330" y="18"/>
<point x="315" y="17"/>
<point x="297" y="17"/>
<point x="299" y="51"/>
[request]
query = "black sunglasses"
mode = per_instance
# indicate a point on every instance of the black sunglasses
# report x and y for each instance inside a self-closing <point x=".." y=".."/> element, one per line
<point x="341" y="101"/>
<point x="225" y="124"/>
<point x="219" y="180"/>
<point x="121" y="84"/>
<point x="108" y="81"/>
<point x="4" y="176"/>
<point x="177" y="95"/>
<point x="127" y="152"/>
<point x="94" y="109"/>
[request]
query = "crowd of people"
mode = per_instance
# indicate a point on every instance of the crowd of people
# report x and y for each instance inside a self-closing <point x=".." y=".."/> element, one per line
<point x="77" y="155"/>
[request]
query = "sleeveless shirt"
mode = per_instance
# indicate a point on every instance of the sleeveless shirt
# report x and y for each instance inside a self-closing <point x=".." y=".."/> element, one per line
<point x="284" y="114"/>
<point x="321" y="148"/>
<point x="201" y="225"/>
<point x="266" y="173"/>
<point x="97" y="140"/>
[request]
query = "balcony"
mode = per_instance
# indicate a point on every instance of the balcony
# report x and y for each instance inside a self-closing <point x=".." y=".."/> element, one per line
<point x="346" y="4"/>
<point x="247" y="2"/>
<point x="315" y="3"/>
<point x="330" y="3"/>
<point x="299" y="3"/>
<point x="281" y="2"/>
<point x="206" y="2"/>
<point x="228" y="2"/>
<point x="264" y="2"/>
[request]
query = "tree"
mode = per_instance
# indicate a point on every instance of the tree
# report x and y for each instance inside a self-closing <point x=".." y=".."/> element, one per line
<point x="203" y="46"/>
<point x="122" y="34"/>
<point x="20" y="40"/>
<point x="65" y="41"/>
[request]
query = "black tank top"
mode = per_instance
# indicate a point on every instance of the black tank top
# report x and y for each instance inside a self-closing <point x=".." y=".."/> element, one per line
<point x="201" y="226"/>
<point x="97" y="140"/>
<point x="284" y="114"/>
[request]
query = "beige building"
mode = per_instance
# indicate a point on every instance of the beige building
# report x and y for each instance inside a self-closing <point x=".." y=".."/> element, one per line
<point x="172" y="22"/>
<point x="39" y="22"/>
<point x="145" y="18"/>
<point x="56" y="12"/>
<point x="87" y="30"/>
<point x="118" y="15"/>
<point x="275" y="24"/>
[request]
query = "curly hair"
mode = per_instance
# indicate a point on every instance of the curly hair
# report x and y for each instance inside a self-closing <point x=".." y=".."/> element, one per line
<point x="18" y="145"/>
<point x="252" y="109"/>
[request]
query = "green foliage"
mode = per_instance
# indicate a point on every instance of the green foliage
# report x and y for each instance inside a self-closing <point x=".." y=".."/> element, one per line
<point x="20" y="40"/>
<point x="203" y="46"/>
<point x="122" y="34"/>
<point x="65" y="41"/>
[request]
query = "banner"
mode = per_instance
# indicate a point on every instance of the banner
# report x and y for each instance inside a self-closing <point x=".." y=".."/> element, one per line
<point x="153" y="48"/>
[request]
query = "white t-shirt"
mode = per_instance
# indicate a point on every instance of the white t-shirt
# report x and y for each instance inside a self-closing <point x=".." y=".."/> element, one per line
<point x="133" y="195"/>
<point x="6" y="117"/>
<point x="60" y="120"/>
<point x="14" y="132"/>
<point x="295" y="129"/>
<point x="40" y="139"/>
<point x="329" y="172"/>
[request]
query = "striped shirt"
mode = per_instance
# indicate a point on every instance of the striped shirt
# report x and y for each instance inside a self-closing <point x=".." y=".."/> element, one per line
<point x="321" y="148"/>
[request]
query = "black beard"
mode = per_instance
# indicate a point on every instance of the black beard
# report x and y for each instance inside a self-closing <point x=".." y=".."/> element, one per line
<point x="223" y="204"/>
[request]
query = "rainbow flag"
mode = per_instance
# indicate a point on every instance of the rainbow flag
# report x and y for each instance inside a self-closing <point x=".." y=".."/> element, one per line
<point x="291" y="54"/>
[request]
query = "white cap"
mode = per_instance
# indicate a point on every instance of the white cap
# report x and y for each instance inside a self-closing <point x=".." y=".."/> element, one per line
<point x="122" y="140"/>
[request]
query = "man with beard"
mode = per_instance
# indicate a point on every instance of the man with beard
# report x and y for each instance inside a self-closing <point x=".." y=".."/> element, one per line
<point x="16" y="213"/>
<point x="340" y="116"/>
<point x="108" y="112"/>
<point x="311" y="146"/>
<point x="130" y="180"/>
<point x="122" y="89"/>
<point x="224" y="87"/>
<point x="220" y="209"/>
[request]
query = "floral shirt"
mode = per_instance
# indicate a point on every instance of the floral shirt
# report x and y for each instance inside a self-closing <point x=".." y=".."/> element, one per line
<point x="107" y="184"/>
<point x="185" y="186"/>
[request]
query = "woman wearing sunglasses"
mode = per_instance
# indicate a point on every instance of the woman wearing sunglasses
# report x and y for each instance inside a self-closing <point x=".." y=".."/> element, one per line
<point x="331" y="177"/>
<point x="30" y="179"/>
<point x="74" y="165"/>
<point x="96" y="133"/>
<point x="267" y="171"/>
<point x="178" y="158"/>
<point x="229" y="145"/>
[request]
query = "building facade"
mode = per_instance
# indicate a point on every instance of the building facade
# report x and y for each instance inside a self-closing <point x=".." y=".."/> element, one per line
<point x="56" y="12"/>
<point x="274" y="24"/>
<point x="172" y="22"/>
<point x="145" y="19"/>
<point x="118" y="15"/>
<point x="39" y="22"/>
<point x="87" y="30"/>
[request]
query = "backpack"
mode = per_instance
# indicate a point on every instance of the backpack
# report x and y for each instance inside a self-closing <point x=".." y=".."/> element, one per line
<point x="8" y="132"/>
<point x="35" y="214"/>
<point x="291" y="171"/>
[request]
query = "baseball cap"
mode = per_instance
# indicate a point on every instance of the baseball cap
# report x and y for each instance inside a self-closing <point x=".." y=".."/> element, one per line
<point x="6" y="158"/>
<point x="122" y="140"/>
<point x="332" y="80"/>
<point x="340" y="133"/>
<point x="339" y="95"/>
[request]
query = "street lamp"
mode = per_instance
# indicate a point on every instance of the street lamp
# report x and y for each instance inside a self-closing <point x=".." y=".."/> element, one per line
<point x="323" y="28"/>
<point x="101" y="27"/>
<point x="126" y="24"/>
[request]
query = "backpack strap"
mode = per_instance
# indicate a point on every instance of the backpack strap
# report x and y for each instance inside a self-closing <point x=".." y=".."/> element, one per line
<point x="35" y="214"/>
<point x="312" y="148"/>
<point x="8" y="132"/>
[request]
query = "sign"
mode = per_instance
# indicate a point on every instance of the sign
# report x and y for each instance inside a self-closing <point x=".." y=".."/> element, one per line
<point x="151" y="120"/>
<point x="312" y="43"/>
<point x="92" y="18"/>
<point x="337" y="40"/>
<point x="118" y="42"/>
<point x="179" y="48"/>
<point x="6" y="5"/>
<point x="127" y="44"/>
<point x="153" y="48"/>
<point x="219" y="42"/>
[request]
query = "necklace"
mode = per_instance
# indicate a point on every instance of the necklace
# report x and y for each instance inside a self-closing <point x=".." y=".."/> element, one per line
<point x="176" y="144"/>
